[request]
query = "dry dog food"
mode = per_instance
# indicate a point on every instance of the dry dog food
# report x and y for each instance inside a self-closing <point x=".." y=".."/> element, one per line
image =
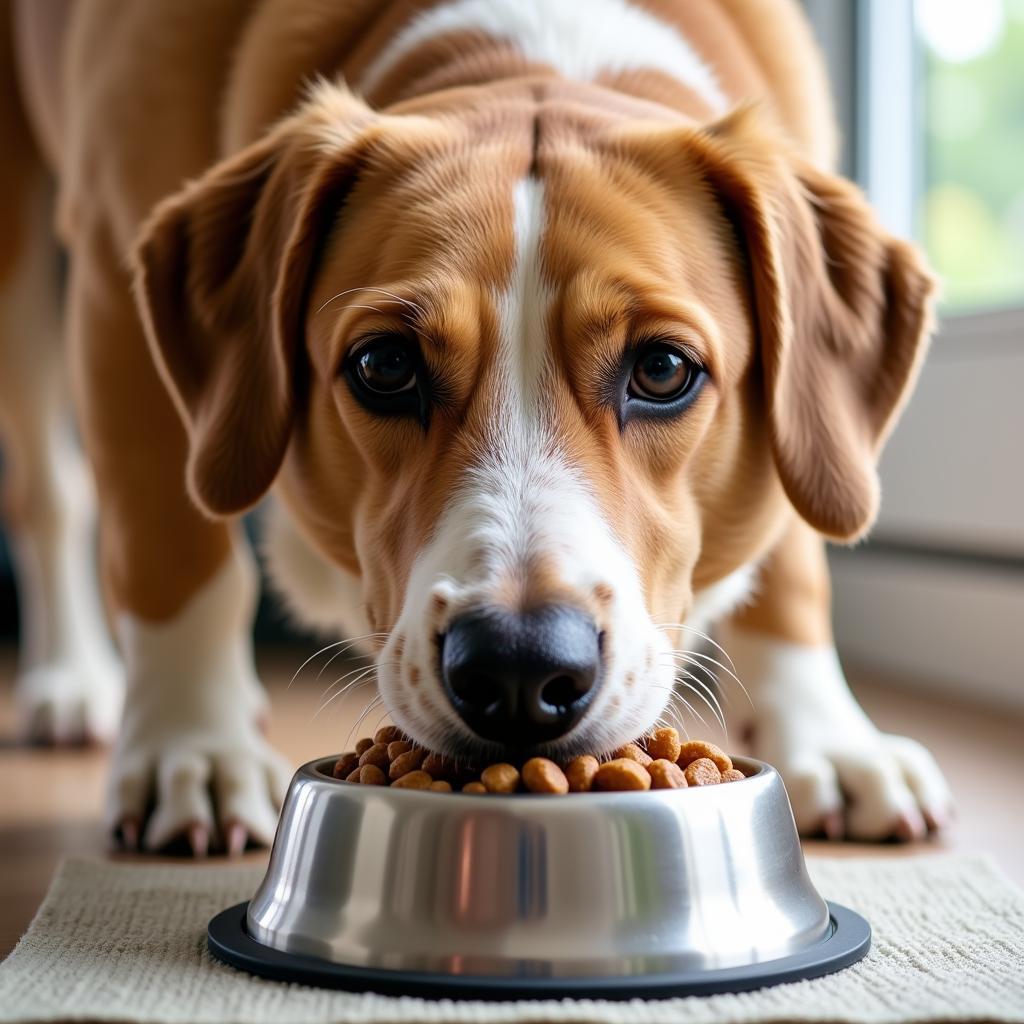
<point x="659" y="761"/>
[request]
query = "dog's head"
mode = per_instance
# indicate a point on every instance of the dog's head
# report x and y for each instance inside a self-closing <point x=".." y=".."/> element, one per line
<point x="539" y="376"/>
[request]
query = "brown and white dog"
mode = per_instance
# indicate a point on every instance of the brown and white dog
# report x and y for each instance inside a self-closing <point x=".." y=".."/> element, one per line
<point x="546" y="321"/>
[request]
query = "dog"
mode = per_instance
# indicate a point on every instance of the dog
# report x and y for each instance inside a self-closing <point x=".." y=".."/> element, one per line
<point x="548" y="324"/>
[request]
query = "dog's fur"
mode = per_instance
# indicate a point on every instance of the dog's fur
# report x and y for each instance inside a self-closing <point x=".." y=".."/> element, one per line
<point x="527" y="187"/>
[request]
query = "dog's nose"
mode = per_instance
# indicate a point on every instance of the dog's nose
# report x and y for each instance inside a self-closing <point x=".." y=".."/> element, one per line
<point x="521" y="679"/>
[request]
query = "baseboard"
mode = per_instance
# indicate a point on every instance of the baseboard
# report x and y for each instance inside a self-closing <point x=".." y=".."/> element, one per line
<point x="951" y="626"/>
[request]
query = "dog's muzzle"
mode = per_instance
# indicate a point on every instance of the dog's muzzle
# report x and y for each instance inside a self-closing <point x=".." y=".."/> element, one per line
<point x="521" y="679"/>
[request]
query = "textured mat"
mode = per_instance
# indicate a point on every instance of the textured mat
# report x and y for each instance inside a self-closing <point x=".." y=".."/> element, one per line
<point x="127" y="942"/>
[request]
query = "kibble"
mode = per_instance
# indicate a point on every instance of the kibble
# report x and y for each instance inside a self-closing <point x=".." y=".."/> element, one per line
<point x="371" y="775"/>
<point x="500" y="778"/>
<point x="413" y="780"/>
<point x="666" y="774"/>
<point x="345" y="765"/>
<point x="664" y="745"/>
<point x="661" y="761"/>
<point x="694" y="750"/>
<point x="633" y="752"/>
<point x="388" y="734"/>
<point x="375" y="755"/>
<point x="406" y="762"/>
<point x="622" y="773"/>
<point x="543" y="776"/>
<point x="580" y="773"/>
<point x="702" y="772"/>
<point x="396" y="747"/>
<point x="437" y="766"/>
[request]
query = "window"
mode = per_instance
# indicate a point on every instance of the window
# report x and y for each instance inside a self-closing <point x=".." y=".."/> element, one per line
<point x="970" y="214"/>
<point x="930" y="97"/>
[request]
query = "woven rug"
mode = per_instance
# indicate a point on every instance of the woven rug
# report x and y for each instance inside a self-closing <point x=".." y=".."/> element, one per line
<point x="127" y="942"/>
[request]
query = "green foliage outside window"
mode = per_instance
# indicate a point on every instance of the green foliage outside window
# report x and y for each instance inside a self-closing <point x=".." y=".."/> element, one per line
<point x="972" y="205"/>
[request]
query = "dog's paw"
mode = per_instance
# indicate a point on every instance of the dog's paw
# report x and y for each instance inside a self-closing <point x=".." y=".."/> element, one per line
<point x="876" y="787"/>
<point x="844" y="777"/>
<point x="199" y="774"/>
<point x="63" y="703"/>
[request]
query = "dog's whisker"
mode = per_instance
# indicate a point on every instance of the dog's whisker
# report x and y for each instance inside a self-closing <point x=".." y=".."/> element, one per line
<point x="693" y="711"/>
<point x="709" y="679"/>
<point x="704" y="636"/>
<point x="364" y="658"/>
<point x="712" y="687"/>
<point x="366" y="677"/>
<point x="712" y="683"/>
<point x="338" y="654"/>
<point x="361" y="669"/>
<point x="357" y="684"/>
<point x="673" y="696"/>
<point x="715" y="709"/>
<point x="697" y="660"/>
<point x="725" y="669"/>
<point x="376" y="725"/>
<point x="670" y="707"/>
<point x="369" y="636"/>
<point x="710" y="698"/>
<point x="374" y="703"/>
<point x="685" y="657"/>
<point x="313" y="657"/>
<point x="349" y="640"/>
<point x="368" y="710"/>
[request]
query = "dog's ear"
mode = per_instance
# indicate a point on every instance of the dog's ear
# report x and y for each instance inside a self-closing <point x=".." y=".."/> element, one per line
<point x="222" y="273"/>
<point x="842" y="313"/>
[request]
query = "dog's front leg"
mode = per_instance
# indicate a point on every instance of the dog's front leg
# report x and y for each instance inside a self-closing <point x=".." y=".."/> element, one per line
<point x="68" y="687"/>
<point x="190" y="759"/>
<point x="844" y="776"/>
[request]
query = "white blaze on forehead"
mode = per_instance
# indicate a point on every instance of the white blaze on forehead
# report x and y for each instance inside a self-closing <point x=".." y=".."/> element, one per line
<point x="581" y="39"/>
<point x="522" y="498"/>
<point x="522" y="315"/>
<point x="514" y="498"/>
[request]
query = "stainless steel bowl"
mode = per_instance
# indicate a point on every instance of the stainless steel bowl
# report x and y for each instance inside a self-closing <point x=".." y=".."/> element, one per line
<point x="670" y="883"/>
<point x="615" y="893"/>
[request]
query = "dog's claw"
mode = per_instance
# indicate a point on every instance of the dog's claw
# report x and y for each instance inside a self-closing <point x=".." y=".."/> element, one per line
<point x="833" y="825"/>
<point x="237" y="838"/>
<point x="130" y="835"/>
<point x="937" y="818"/>
<point x="909" y="827"/>
<point x="199" y="840"/>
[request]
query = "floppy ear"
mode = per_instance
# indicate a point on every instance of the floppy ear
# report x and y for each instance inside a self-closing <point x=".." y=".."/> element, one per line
<point x="222" y="273"/>
<point x="842" y="313"/>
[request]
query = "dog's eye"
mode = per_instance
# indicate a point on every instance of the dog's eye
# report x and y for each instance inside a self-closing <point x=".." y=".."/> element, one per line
<point x="661" y="374"/>
<point x="386" y="366"/>
<point x="387" y="375"/>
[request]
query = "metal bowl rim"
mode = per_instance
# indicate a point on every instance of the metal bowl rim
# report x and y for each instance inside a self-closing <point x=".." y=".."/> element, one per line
<point x="756" y="771"/>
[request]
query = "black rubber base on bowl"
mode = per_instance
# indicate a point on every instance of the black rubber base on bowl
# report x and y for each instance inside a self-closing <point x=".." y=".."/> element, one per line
<point x="229" y="941"/>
